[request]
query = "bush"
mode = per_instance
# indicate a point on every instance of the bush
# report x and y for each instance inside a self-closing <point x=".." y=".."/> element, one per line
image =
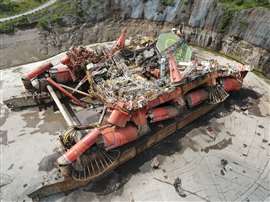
<point x="45" y="19"/>
<point x="9" y="7"/>
<point x="6" y="28"/>
<point x="244" y="4"/>
<point x="232" y="6"/>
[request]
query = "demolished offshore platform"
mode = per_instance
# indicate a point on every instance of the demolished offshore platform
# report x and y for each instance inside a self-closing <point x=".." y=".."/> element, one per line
<point x="148" y="88"/>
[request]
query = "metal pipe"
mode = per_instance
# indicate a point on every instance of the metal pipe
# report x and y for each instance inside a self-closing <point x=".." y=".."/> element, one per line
<point x="162" y="68"/>
<point x="80" y="84"/>
<point x="75" y="90"/>
<point x="65" y="92"/>
<point x="70" y="122"/>
<point x="79" y="148"/>
<point x="102" y="115"/>
<point x="163" y="113"/>
<point x="38" y="71"/>
<point x="231" y="84"/>
<point x="116" y="136"/>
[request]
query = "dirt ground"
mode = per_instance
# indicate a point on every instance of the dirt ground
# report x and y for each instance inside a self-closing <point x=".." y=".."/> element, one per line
<point x="230" y="163"/>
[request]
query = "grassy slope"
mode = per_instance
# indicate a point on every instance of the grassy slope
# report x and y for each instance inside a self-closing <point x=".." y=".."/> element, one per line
<point x="244" y="4"/>
<point x="54" y="14"/>
<point x="233" y="6"/>
<point x="9" y="8"/>
<point x="44" y="19"/>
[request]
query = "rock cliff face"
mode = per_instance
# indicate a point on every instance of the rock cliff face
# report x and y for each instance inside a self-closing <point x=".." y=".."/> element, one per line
<point x="244" y="35"/>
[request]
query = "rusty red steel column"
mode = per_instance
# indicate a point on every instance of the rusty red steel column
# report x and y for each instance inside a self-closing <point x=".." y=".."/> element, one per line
<point x="163" y="113"/>
<point x="37" y="71"/>
<point x="120" y="43"/>
<point x="61" y="73"/>
<point x="231" y="84"/>
<point x="196" y="97"/>
<point x="65" y="60"/>
<point x="65" y="92"/>
<point x="166" y="97"/>
<point x="114" y="137"/>
<point x="139" y="117"/>
<point x="26" y="79"/>
<point x="174" y="73"/>
<point x="121" y="40"/>
<point x="79" y="148"/>
<point x="119" y="118"/>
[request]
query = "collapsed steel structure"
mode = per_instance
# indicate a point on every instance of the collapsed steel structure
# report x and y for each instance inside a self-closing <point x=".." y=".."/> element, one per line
<point x="140" y="83"/>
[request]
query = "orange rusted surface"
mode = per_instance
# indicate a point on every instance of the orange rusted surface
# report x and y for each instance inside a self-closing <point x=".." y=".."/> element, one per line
<point x="38" y="71"/>
<point x="164" y="98"/>
<point x="63" y="73"/>
<point x="118" y="118"/>
<point x="65" y="92"/>
<point x="81" y="146"/>
<point x="115" y="137"/>
<point x="121" y="40"/>
<point x="231" y="84"/>
<point x="175" y="75"/>
<point x="196" y="97"/>
<point x="163" y="113"/>
<point x="65" y="60"/>
<point x="139" y="117"/>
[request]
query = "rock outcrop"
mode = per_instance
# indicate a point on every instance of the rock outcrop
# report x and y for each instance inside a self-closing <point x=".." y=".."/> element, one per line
<point x="243" y="35"/>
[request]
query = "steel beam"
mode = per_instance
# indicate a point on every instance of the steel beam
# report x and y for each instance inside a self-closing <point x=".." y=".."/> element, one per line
<point x="70" y="122"/>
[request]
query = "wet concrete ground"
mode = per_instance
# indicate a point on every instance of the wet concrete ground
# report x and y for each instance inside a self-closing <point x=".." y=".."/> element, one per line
<point x="224" y="156"/>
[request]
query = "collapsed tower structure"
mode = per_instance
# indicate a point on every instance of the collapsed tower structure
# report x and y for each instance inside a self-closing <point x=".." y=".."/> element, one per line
<point x="140" y="83"/>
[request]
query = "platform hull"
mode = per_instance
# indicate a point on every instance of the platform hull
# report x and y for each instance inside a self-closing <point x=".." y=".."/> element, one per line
<point x="160" y="133"/>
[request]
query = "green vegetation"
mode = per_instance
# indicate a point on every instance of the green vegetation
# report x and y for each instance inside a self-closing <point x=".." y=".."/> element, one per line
<point x="9" y="7"/>
<point x="230" y="7"/>
<point x="6" y="28"/>
<point x="56" y="14"/>
<point x="44" y="19"/>
<point x="237" y="5"/>
<point x="62" y="11"/>
<point x="167" y="2"/>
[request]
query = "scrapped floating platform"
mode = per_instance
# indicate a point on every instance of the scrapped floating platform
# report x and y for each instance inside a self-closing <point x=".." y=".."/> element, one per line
<point x="138" y="86"/>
